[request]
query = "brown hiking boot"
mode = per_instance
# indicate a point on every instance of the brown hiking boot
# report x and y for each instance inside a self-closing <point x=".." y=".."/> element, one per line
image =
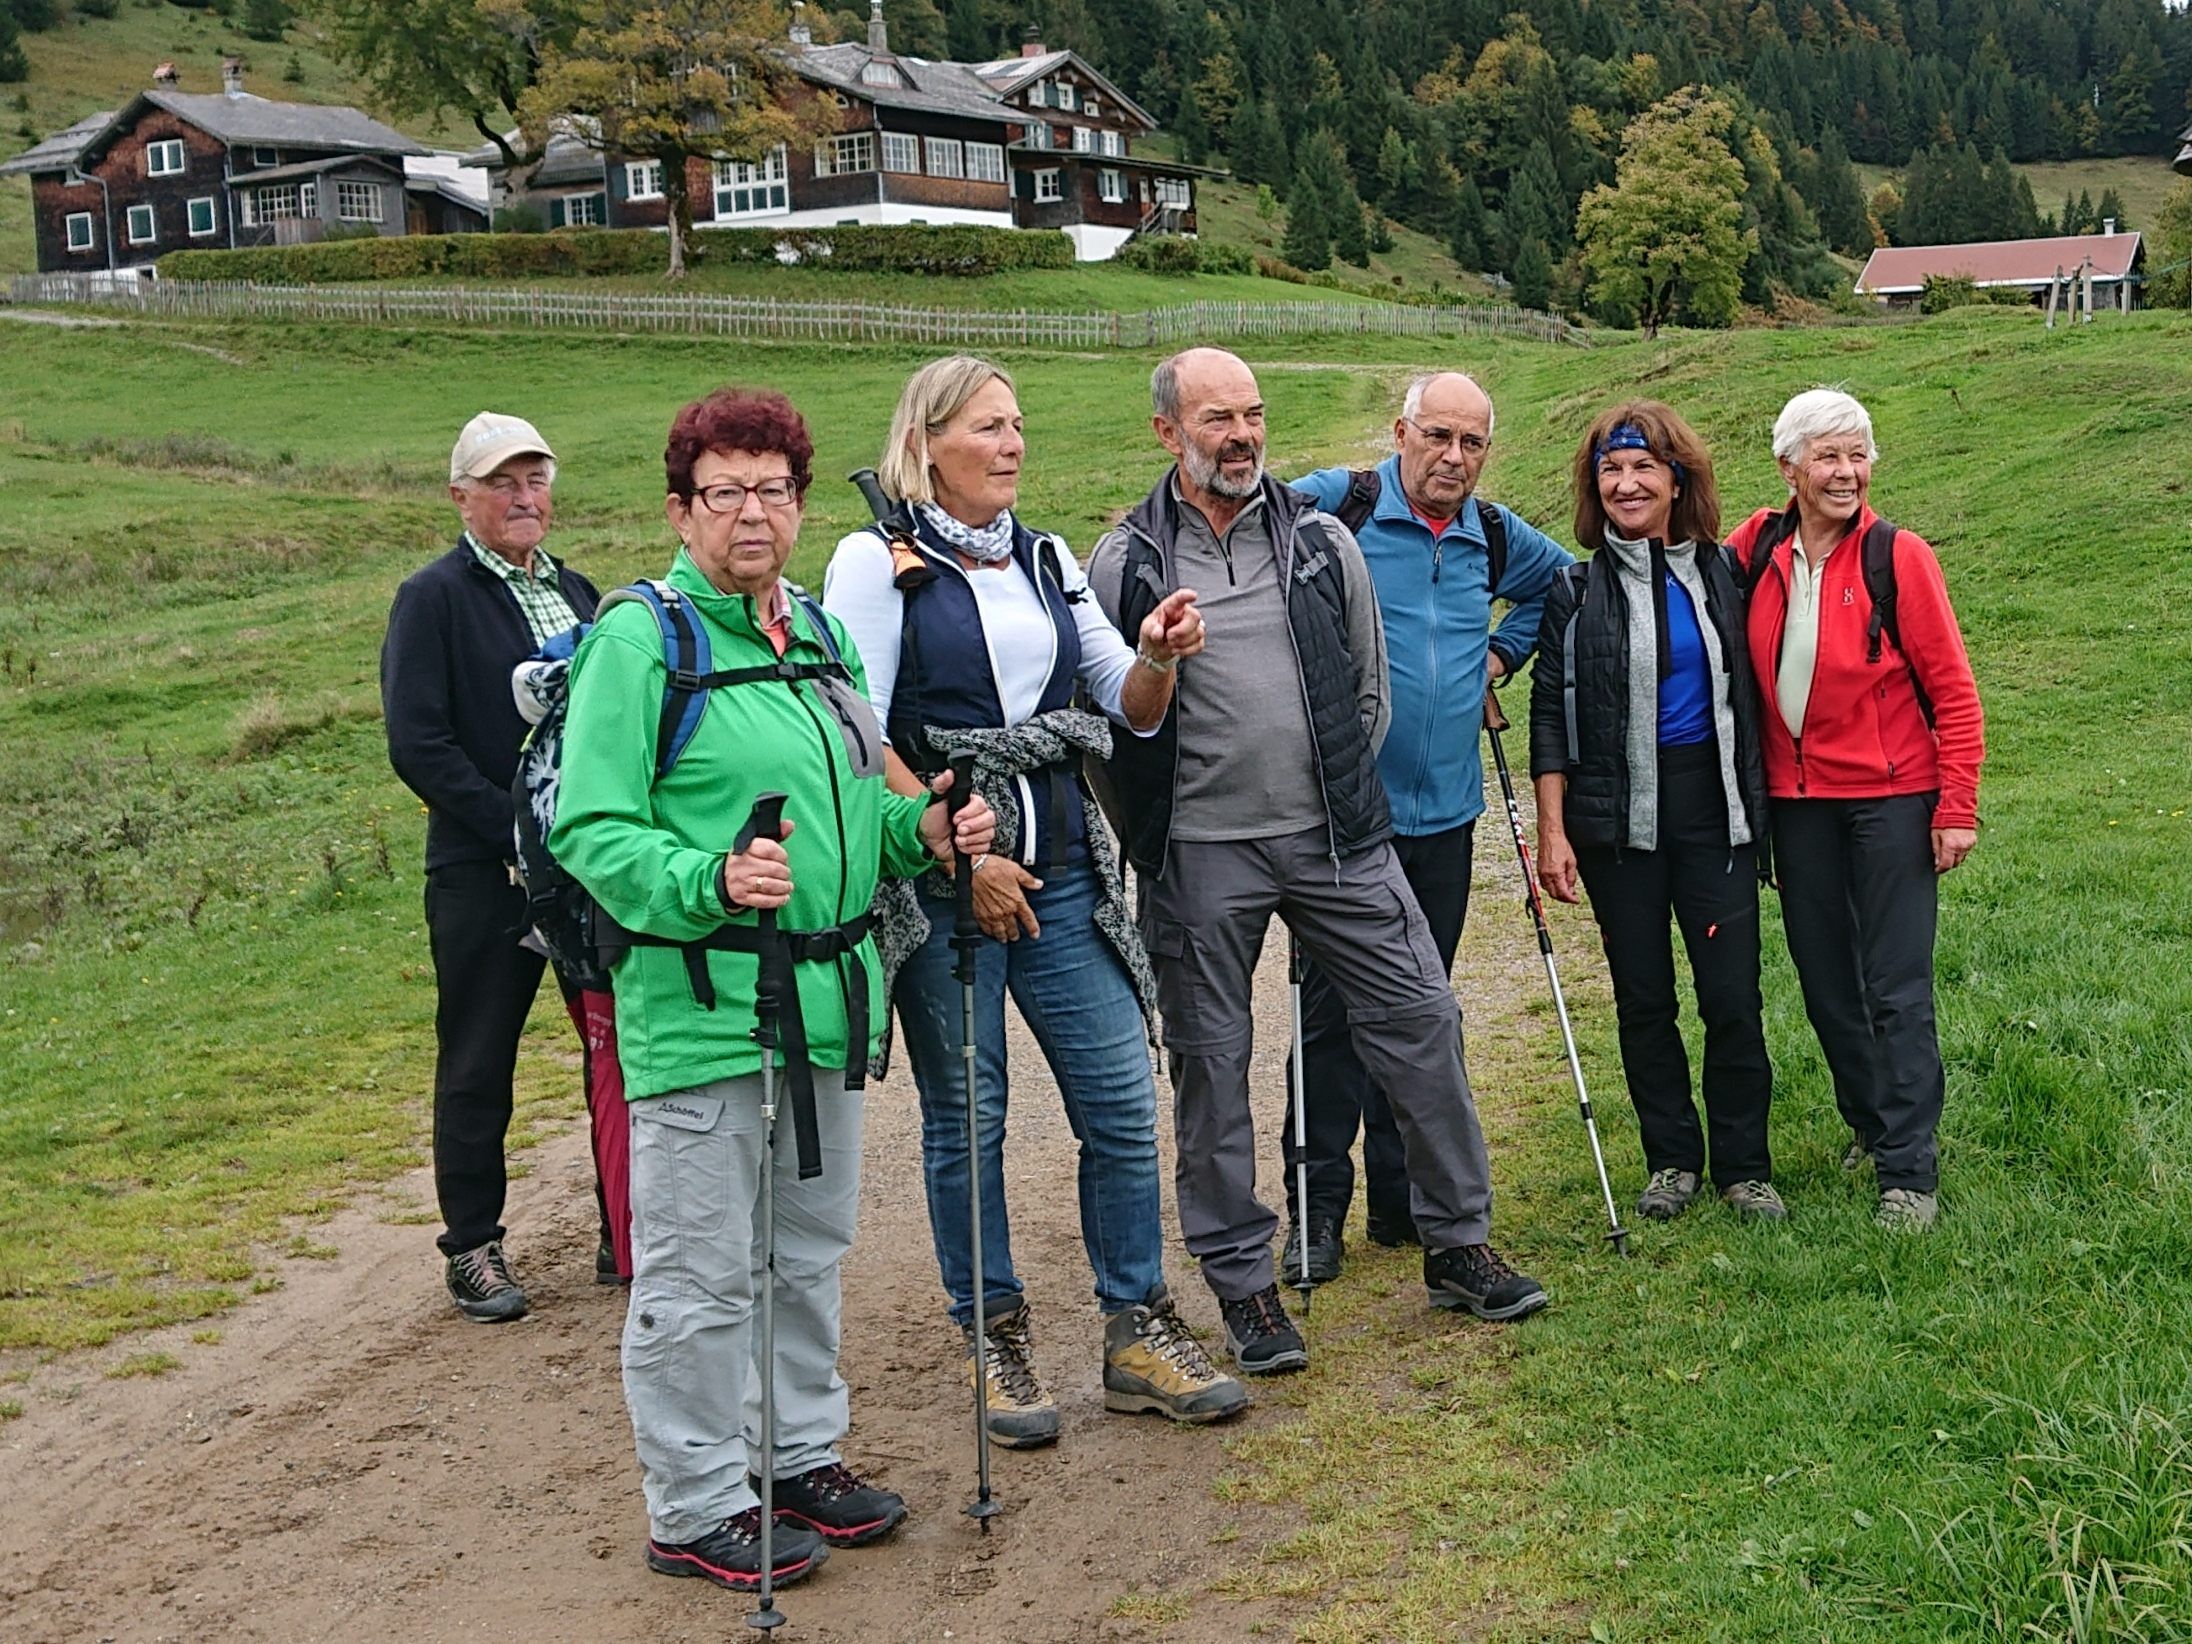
<point x="1022" y="1414"/>
<point x="1153" y="1362"/>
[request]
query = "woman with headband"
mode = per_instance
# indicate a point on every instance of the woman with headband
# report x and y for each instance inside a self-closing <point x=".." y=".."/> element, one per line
<point x="1650" y="790"/>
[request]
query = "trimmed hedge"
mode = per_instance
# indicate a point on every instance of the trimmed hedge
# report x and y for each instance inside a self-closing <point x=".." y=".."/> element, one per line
<point x="1170" y="254"/>
<point x="911" y="249"/>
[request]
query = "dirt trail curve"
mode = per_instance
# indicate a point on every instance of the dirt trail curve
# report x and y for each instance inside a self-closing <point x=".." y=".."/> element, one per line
<point x="353" y="1462"/>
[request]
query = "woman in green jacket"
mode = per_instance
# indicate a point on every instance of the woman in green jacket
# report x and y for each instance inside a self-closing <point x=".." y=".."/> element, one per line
<point x="666" y="858"/>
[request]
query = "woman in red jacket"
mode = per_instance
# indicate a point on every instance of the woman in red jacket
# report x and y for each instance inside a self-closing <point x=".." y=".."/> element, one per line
<point x="1873" y="738"/>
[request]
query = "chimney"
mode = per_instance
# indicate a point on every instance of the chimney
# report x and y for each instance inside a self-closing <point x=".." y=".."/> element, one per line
<point x="878" y="36"/>
<point x="232" y="76"/>
<point x="1031" y="41"/>
<point x="801" y="34"/>
<point x="2108" y="225"/>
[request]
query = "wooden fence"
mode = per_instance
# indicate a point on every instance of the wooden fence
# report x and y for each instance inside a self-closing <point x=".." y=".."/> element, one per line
<point x="710" y="313"/>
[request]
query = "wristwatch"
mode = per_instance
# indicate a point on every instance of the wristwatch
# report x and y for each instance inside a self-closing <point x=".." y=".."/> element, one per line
<point x="1152" y="664"/>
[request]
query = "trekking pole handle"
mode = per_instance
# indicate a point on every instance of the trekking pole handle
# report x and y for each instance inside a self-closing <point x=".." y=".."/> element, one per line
<point x="766" y="821"/>
<point x="1495" y="717"/>
<point x="961" y="790"/>
<point x="895" y="517"/>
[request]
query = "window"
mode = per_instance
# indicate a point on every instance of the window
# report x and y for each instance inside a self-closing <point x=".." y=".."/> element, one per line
<point x="742" y="190"/>
<point x="358" y="202"/>
<point x="643" y="179"/>
<point x="1110" y="187"/>
<point x="880" y="74"/>
<point x="202" y="218"/>
<point x="1046" y="186"/>
<point x="270" y="204"/>
<point x="1068" y="98"/>
<point x="266" y="157"/>
<point x="1111" y="142"/>
<point x="839" y="155"/>
<point x="79" y="231"/>
<point x="1093" y="109"/>
<point x="1174" y="191"/>
<point x="901" y="152"/>
<point x="578" y="211"/>
<point x="1084" y="140"/>
<point x="142" y="229"/>
<point x="1037" y="135"/>
<point x="986" y="162"/>
<point x="946" y="158"/>
<point x="308" y="199"/>
<point x="164" y="158"/>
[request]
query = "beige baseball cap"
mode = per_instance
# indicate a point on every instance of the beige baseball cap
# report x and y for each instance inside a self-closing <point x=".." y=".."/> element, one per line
<point x="491" y="439"/>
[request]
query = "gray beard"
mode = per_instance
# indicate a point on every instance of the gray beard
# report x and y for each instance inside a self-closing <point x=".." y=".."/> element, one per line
<point x="1205" y="475"/>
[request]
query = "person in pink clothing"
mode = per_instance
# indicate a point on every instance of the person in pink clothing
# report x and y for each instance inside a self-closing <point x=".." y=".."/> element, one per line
<point x="1873" y="737"/>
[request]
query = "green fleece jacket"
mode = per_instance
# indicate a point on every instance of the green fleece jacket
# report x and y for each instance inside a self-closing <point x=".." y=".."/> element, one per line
<point x="650" y="852"/>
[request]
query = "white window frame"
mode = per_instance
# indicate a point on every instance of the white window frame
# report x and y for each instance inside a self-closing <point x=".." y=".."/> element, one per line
<point x="212" y="217"/>
<point x="167" y="148"/>
<point x="877" y="73"/>
<point x="902" y="153"/>
<point x="845" y="155"/>
<point x="308" y="197"/>
<point x="1093" y="109"/>
<point x="1069" y="95"/>
<point x="276" y="201"/>
<point x="1112" y="143"/>
<point x="1111" y="187"/>
<point x="986" y="162"/>
<point x="643" y="179"/>
<point x="1084" y="140"/>
<point x="151" y="234"/>
<point x="743" y="190"/>
<point x="1175" y="191"/>
<point x="1037" y="135"/>
<point x="1048" y="179"/>
<point x="590" y="212"/>
<point x="91" y="234"/>
<point x="347" y="192"/>
<point x="262" y="157"/>
<point x="945" y="156"/>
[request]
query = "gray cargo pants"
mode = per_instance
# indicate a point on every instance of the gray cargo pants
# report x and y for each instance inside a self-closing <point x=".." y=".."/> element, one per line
<point x="1204" y="923"/>
<point x="691" y="1338"/>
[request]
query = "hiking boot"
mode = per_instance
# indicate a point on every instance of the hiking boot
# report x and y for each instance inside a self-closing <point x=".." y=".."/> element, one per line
<point x="481" y="1286"/>
<point x="1667" y="1195"/>
<point x="1325" y="1250"/>
<point x="1391" y="1229"/>
<point x="1907" y="1209"/>
<point x="1474" y="1276"/>
<point x="1259" y="1335"/>
<point x="730" y="1554"/>
<point x="1153" y="1362"/>
<point x="838" y="1505"/>
<point x="1754" y="1201"/>
<point x="605" y="1268"/>
<point x="1857" y="1155"/>
<point x="1022" y="1414"/>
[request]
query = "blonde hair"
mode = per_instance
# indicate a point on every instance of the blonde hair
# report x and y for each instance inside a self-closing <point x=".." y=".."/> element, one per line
<point x="934" y="395"/>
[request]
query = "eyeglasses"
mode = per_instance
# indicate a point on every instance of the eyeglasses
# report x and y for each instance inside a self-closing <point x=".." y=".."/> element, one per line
<point x="730" y="497"/>
<point x="1472" y="445"/>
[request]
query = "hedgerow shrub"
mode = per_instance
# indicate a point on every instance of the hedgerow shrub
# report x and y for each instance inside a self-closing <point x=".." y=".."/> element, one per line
<point x="1170" y="254"/>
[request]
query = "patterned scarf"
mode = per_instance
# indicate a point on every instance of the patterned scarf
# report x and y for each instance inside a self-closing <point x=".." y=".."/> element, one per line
<point x="989" y="544"/>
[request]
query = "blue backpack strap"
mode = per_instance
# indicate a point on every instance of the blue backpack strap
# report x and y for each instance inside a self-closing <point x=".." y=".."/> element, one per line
<point x="686" y="658"/>
<point x="819" y="622"/>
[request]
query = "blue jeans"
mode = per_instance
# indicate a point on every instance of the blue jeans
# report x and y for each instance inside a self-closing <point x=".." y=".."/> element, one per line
<point x="1075" y="996"/>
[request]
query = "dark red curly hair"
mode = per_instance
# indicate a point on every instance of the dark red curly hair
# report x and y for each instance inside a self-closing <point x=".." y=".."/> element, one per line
<point x="738" y="419"/>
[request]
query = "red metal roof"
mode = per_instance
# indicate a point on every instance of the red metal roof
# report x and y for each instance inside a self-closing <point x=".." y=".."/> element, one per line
<point x="1899" y="268"/>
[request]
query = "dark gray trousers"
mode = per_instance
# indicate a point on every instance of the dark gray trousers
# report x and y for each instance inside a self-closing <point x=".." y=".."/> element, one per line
<point x="1204" y="923"/>
<point x="1858" y="899"/>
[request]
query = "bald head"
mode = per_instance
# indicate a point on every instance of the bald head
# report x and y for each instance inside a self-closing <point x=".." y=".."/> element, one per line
<point x="1443" y="435"/>
<point x="1208" y="411"/>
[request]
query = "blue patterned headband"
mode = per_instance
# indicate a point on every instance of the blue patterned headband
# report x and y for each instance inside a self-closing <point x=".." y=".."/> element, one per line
<point x="1628" y="437"/>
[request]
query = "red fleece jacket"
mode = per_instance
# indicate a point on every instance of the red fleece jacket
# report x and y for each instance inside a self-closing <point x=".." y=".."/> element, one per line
<point x="1864" y="735"/>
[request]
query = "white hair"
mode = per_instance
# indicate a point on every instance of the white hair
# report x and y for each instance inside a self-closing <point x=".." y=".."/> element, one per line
<point x="1412" y="401"/>
<point x="1816" y="414"/>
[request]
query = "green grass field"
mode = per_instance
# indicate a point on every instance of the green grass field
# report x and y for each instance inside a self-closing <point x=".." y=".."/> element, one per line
<point x="217" y="1005"/>
<point x="2142" y="182"/>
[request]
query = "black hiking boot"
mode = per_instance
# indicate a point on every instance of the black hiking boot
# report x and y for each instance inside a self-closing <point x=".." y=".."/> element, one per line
<point x="1473" y="1276"/>
<point x="1391" y="1228"/>
<point x="1325" y="1250"/>
<point x="605" y="1268"/>
<point x="730" y="1554"/>
<point x="1259" y="1335"/>
<point x="838" y="1505"/>
<point x="481" y="1286"/>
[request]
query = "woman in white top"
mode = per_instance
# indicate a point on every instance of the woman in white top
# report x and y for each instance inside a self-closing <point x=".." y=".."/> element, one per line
<point x="980" y="637"/>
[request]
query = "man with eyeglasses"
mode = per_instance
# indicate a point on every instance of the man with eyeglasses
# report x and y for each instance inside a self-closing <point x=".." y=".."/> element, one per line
<point x="457" y="629"/>
<point x="1432" y="547"/>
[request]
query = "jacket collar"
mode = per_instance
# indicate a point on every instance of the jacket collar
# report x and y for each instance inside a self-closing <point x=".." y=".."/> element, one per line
<point x="734" y="612"/>
<point x="1157" y="516"/>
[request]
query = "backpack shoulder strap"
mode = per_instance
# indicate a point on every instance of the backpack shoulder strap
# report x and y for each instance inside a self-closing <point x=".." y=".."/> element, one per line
<point x="1777" y="529"/>
<point x="686" y="660"/>
<point x="1049" y="547"/>
<point x="1878" y="550"/>
<point x="1492" y="521"/>
<point x="1363" y="490"/>
<point x="819" y="621"/>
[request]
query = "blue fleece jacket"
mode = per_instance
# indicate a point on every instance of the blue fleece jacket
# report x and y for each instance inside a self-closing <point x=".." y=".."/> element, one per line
<point x="1438" y="625"/>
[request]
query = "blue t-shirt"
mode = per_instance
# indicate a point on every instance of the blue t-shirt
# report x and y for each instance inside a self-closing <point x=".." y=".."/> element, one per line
<point x="1685" y="695"/>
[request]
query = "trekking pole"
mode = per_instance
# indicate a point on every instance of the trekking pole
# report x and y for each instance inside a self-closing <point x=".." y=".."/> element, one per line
<point x="966" y="941"/>
<point x="1494" y="722"/>
<point x="767" y="822"/>
<point x="1301" y="1123"/>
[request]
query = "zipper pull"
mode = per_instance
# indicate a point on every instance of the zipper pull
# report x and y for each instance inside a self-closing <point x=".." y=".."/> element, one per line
<point x="1438" y="557"/>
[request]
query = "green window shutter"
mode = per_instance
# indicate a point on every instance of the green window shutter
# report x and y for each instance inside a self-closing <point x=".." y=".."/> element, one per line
<point x="555" y="212"/>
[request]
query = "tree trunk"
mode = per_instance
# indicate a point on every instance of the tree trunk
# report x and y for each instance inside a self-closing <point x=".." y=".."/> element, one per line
<point x="680" y="212"/>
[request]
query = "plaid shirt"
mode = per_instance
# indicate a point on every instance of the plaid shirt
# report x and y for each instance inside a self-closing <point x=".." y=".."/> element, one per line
<point x="539" y="593"/>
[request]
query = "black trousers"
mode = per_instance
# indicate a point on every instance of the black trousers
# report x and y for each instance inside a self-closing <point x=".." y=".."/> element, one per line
<point x="1860" y="899"/>
<point x="1710" y="891"/>
<point x="1340" y="1094"/>
<point x="486" y="983"/>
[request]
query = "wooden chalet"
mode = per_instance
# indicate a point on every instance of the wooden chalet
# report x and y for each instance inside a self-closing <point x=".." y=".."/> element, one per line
<point x="1896" y="275"/>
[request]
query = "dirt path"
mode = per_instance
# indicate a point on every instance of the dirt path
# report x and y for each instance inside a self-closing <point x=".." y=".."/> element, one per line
<point x="352" y="1461"/>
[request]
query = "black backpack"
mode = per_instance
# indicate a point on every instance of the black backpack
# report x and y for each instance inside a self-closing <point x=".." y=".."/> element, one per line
<point x="1363" y="489"/>
<point x="1877" y="553"/>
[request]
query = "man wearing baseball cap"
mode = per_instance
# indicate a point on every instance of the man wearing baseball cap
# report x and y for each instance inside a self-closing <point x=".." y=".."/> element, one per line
<point x="458" y="626"/>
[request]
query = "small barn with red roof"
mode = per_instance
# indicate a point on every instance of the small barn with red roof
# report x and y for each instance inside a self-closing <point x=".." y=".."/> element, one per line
<point x="1898" y="273"/>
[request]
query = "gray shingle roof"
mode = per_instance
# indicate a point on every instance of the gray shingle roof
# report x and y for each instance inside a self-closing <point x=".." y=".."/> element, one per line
<point x="935" y="88"/>
<point x="1007" y="75"/>
<point x="248" y="119"/>
<point x="59" y="152"/>
<point x="313" y="168"/>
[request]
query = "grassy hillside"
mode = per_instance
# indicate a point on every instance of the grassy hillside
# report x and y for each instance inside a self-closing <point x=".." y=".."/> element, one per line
<point x="2142" y="182"/>
<point x="1226" y="213"/>
<point x="217" y="1004"/>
